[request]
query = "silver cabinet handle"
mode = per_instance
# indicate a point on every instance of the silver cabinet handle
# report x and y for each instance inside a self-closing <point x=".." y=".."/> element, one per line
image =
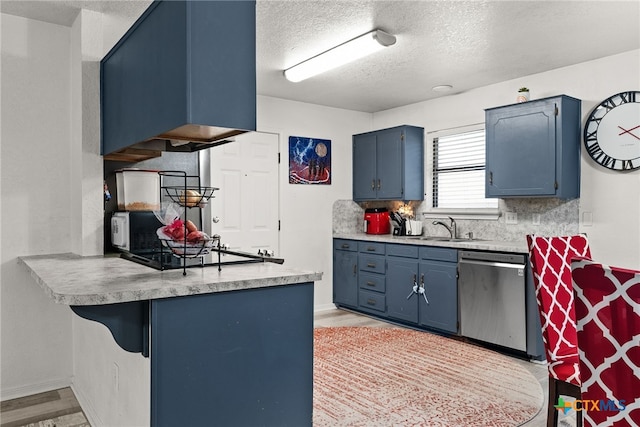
<point x="422" y="289"/>
<point x="414" y="289"/>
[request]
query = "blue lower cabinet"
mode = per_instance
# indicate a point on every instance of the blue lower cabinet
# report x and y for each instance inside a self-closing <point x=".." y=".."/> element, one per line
<point x="240" y="358"/>
<point x="345" y="273"/>
<point x="410" y="284"/>
<point x="402" y="302"/>
<point x="438" y="306"/>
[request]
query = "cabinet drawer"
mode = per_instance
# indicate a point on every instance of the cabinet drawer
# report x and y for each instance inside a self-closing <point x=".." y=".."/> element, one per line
<point x="372" y="300"/>
<point x="373" y="263"/>
<point x="345" y="245"/>
<point x="406" y="251"/>
<point x="439" y="254"/>
<point x="371" y="247"/>
<point x="372" y="282"/>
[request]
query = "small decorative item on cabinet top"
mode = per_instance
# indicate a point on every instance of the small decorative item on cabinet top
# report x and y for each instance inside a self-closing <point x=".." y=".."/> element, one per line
<point x="309" y="160"/>
<point x="523" y="95"/>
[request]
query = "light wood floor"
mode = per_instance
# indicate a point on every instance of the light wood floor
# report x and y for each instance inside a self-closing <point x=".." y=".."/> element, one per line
<point x="62" y="406"/>
<point x="59" y="407"/>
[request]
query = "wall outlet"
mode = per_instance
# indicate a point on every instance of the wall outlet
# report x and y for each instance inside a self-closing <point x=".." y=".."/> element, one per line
<point x="535" y="219"/>
<point x="510" y="218"/>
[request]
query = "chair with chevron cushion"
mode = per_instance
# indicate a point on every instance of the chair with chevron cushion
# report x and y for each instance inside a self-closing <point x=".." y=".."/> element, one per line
<point x="550" y="260"/>
<point x="607" y="303"/>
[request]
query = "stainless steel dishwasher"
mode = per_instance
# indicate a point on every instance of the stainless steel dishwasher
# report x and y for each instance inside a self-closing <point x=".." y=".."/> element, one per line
<point x="491" y="289"/>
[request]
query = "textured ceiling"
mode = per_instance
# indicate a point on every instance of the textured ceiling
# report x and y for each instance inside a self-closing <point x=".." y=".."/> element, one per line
<point x="466" y="44"/>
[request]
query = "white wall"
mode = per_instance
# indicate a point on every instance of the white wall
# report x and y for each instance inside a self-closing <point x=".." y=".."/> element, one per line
<point x="306" y="210"/>
<point x="35" y="218"/>
<point x="612" y="197"/>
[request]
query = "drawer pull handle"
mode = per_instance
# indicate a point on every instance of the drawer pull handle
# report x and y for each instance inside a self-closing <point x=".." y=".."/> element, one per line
<point x="371" y="265"/>
<point x="371" y="283"/>
<point x="371" y="301"/>
<point x="345" y="246"/>
<point x="355" y="269"/>
<point x="371" y="249"/>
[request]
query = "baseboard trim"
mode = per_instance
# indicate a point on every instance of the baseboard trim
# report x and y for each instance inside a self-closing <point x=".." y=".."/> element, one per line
<point x="30" y="389"/>
<point x="85" y="403"/>
<point x="324" y="307"/>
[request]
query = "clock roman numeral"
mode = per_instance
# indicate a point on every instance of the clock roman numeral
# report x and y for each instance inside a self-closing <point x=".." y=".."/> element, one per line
<point x="599" y="156"/>
<point x="591" y="136"/>
<point x="627" y="165"/>
<point x="595" y="151"/>
<point x="608" y="162"/>
<point x="609" y="104"/>
<point x="628" y="96"/>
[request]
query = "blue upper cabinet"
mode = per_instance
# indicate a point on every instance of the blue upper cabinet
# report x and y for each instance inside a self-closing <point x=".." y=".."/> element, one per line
<point x="183" y="75"/>
<point x="388" y="164"/>
<point x="533" y="149"/>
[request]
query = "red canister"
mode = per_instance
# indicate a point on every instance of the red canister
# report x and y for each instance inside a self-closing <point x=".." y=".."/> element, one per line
<point x="376" y="221"/>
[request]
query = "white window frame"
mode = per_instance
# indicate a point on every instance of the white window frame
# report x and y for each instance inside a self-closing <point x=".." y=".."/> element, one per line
<point x="460" y="213"/>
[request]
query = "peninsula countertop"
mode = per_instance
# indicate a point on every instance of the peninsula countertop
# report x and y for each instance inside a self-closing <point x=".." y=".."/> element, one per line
<point x="481" y="245"/>
<point x="76" y="280"/>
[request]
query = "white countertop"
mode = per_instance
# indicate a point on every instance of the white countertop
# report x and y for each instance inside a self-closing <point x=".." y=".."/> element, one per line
<point x="75" y="280"/>
<point x="483" y="245"/>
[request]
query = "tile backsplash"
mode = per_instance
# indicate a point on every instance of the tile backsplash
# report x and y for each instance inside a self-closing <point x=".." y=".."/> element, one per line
<point x="556" y="217"/>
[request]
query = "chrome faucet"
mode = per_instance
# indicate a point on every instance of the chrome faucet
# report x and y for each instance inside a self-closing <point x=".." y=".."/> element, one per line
<point x="450" y="228"/>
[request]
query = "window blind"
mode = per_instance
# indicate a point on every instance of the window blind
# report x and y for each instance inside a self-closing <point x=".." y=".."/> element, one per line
<point x="458" y="171"/>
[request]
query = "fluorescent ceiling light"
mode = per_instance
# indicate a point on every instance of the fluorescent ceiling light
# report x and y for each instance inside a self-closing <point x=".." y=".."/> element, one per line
<point x="342" y="54"/>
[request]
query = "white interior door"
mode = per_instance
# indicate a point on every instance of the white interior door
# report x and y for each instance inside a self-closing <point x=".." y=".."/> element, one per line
<point x="246" y="171"/>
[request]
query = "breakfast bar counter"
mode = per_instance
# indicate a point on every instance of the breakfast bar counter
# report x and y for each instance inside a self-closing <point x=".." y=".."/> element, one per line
<point x="230" y="347"/>
<point x="76" y="280"/>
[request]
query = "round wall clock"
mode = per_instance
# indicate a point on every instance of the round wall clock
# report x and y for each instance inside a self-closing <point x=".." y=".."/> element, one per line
<point x="612" y="132"/>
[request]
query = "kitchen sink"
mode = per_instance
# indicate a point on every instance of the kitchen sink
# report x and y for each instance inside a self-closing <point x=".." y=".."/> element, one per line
<point x="450" y="239"/>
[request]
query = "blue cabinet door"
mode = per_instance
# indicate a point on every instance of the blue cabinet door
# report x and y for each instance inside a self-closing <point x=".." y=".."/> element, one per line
<point x="364" y="167"/>
<point x="533" y="149"/>
<point x="441" y="290"/>
<point x="402" y="303"/>
<point x="389" y="166"/>
<point x="345" y="278"/>
<point x="521" y="150"/>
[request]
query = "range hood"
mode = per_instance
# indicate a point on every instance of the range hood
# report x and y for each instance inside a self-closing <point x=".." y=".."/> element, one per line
<point x="181" y="79"/>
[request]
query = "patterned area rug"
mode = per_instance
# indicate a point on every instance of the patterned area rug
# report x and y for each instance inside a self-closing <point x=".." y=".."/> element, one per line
<point x="399" y="377"/>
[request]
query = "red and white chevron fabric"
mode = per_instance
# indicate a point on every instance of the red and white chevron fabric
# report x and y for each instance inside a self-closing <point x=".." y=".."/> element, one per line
<point x="550" y="259"/>
<point x="608" y="321"/>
